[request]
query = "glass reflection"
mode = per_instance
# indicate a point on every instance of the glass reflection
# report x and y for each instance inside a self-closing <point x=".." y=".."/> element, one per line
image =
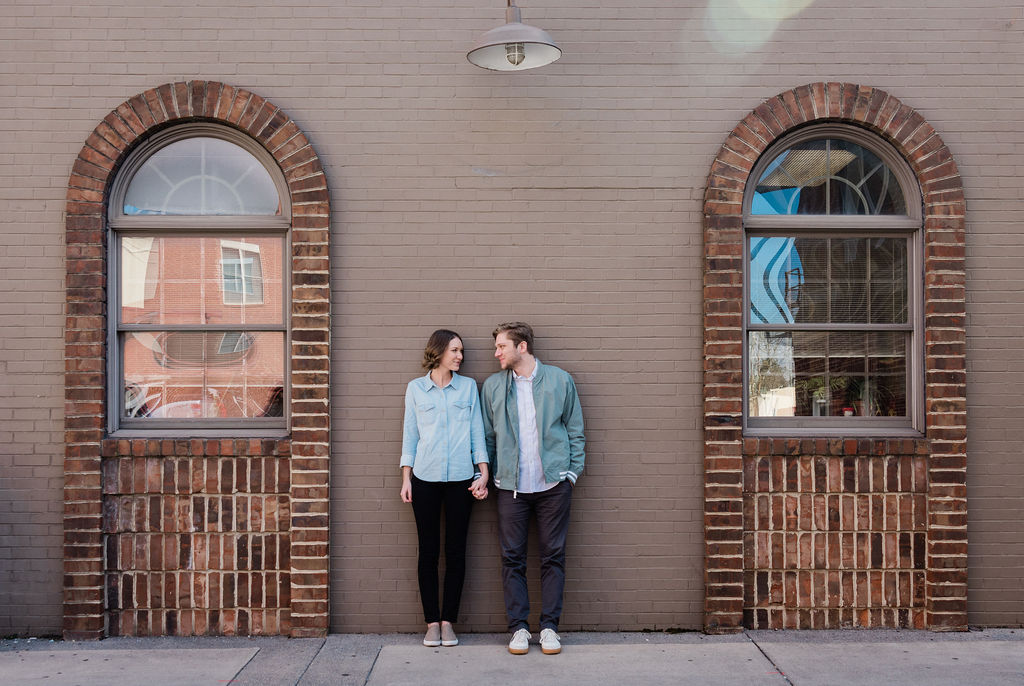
<point x="175" y="280"/>
<point x="888" y="281"/>
<point x="202" y="176"/>
<point x="795" y="280"/>
<point x="834" y="374"/>
<point x="828" y="176"/>
<point x="225" y="374"/>
<point x="848" y="283"/>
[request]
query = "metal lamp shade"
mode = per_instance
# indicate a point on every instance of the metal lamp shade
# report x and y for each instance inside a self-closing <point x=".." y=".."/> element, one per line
<point x="530" y="47"/>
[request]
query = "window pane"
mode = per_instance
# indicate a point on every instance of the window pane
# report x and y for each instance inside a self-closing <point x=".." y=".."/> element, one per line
<point x="847" y="372"/>
<point x="839" y="373"/>
<point x="865" y="185"/>
<point x="828" y="176"/>
<point x="217" y="374"/>
<point x="771" y="374"/>
<point x="820" y="280"/>
<point x="795" y="181"/>
<point x="202" y="280"/>
<point x="848" y="292"/>
<point x="809" y="366"/>
<point x="202" y="176"/>
<point x="886" y="391"/>
<point x="788" y="279"/>
<point x="888" y="280"/>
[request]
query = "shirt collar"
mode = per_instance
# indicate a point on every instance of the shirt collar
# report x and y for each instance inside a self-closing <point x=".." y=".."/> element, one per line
<point x="533" y="374"/>
<point x="428" y="383"/>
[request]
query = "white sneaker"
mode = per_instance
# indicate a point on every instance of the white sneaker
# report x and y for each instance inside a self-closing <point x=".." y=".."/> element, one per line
<point x="550" y="643"/>
<point x="520" y="643"/>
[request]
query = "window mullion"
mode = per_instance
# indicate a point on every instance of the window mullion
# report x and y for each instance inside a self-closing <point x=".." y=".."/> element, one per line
<point x="867" y="279"/>
<point x="828" y="280"/>
<point x="827" y="327"/>
<point x="866" y="391"/>
<point x="128" y="328"/>
<point x="828" y="373"/>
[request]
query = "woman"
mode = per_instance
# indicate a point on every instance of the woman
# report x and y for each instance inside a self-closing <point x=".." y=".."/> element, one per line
<point x="444" y="466"/>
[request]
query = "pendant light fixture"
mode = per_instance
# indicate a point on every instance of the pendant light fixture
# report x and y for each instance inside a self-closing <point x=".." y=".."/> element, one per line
<point x="514" y="46"/>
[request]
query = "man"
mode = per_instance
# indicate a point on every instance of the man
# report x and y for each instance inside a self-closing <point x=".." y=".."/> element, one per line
<point x="533" y="426"/>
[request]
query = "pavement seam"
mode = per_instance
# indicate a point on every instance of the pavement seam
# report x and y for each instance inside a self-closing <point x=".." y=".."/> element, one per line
<point x="770" y="660"/>
<point x="242" y="668"/>
<point x="370" y="671"/>
<point x="323" y="642"/>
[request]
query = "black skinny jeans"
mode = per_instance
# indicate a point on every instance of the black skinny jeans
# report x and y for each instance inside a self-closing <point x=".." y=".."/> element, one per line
<point x="428" y="499"/>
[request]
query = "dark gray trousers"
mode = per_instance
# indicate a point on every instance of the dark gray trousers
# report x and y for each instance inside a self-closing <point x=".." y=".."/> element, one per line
<point x="551" y="508"/>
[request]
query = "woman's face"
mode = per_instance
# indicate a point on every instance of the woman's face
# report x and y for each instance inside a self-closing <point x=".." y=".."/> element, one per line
<point x="451" y="360"/>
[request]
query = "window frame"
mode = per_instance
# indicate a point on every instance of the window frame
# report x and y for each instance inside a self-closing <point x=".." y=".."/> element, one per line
<point x="224" y="227"/>
<point x="909" y="226"/>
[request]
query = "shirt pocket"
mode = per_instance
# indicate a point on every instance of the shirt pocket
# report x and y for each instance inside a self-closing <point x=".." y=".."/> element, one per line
<point x="462" y="409"/>
<point x="426" y="414"/>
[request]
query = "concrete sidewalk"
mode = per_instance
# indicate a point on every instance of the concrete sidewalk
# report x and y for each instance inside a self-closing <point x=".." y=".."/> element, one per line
<point x="798" y="658"/>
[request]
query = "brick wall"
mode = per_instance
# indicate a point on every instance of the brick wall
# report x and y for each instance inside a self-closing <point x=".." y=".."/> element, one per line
<point x="731" y="526"/>
<point x="834" y="533"/>
<point x="136" y="508"/>
<point x="197" y="537"/>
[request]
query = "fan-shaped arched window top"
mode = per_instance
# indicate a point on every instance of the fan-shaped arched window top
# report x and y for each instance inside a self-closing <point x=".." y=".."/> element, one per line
<point x="827" y="176"/>
<point x="201" y="176"/>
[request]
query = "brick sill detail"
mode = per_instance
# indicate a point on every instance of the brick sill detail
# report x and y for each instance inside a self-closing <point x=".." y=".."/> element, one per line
<point x="753" y="446"/>
<point x="209" y="447"/>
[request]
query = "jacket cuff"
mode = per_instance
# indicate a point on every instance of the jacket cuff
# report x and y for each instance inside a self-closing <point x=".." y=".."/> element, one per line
<point x="406" y="461"/>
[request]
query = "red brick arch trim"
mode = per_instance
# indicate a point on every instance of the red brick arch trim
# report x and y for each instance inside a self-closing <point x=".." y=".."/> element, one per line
<point x="155" y="475"/>
<point x="945" y="595"/>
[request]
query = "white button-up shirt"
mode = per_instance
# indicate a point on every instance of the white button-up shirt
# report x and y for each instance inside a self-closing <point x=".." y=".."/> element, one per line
<point x="531" y="469"/>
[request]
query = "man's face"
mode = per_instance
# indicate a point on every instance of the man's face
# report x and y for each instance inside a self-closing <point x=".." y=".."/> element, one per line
<point x="507" y="352"/>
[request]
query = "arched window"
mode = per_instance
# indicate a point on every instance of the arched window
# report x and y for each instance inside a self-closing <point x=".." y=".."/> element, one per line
<point x="199" y="221"/>
<point x="832" y="220"/>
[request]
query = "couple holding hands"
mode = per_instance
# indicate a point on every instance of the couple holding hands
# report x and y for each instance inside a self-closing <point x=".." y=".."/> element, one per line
<point x="524" y="434"/>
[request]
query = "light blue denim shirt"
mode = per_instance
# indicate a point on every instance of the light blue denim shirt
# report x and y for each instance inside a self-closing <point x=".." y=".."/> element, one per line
<point x="443" y="436"/>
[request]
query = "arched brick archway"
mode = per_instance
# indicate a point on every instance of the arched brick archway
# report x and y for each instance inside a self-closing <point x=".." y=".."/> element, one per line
<point x="928" y="473"/>
<point x="142" y="515"/>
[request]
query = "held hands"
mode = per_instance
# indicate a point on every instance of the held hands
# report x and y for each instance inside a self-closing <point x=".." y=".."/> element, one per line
<point x="479" y="488"/>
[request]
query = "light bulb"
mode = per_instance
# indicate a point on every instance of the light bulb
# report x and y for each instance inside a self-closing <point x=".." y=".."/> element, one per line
<point x="515" y="53"/>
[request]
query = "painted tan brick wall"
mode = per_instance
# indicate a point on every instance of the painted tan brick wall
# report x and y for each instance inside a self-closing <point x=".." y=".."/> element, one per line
<point x="598" y="162"/>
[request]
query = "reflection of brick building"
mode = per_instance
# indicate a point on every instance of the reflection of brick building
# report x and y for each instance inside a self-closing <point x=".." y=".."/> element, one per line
<point x="213" y="281"/>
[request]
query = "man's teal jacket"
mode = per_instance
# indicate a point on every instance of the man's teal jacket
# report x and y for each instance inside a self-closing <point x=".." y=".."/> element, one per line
<point x="559" y="426"/>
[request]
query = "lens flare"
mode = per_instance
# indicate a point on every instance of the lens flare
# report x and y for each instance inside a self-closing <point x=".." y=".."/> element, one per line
<point x="740" y="26"/>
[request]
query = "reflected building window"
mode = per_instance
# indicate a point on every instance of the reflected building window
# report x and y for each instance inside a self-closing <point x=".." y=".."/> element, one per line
<point x="242" y="273"/>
